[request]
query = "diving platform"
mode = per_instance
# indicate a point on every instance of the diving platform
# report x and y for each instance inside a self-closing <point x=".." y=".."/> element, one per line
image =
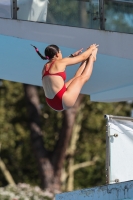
<point x="111" y="80"/>
<point x="119" y="164"/>
<point x="117" y="191"/>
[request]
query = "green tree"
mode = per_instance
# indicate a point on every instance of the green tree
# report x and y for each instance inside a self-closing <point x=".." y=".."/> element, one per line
<point x="18" y="141"/>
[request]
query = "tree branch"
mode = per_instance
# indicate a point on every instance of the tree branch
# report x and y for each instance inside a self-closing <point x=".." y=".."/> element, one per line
<point x="64" y="138"/>
<point x="6" y="173"/>
<point x="41" y="154"/>
<point x="84" y="164"/>
<point x="72" y="148"/>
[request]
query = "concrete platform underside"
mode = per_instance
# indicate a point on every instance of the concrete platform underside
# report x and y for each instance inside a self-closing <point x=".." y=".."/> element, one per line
<point x="111" y="80"/>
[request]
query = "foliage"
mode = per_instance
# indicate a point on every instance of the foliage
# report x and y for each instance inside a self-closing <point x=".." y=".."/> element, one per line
<point x="14" y="135"/>
<point x="121" y="16"/>
<point x="24" y="192"/>
<point x="118" y="15"/>
<point x="66" y="13"/>
<point x="16" y="151"/>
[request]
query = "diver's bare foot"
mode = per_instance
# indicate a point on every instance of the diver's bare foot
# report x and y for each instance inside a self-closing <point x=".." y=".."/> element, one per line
<point x="94" y="53"/>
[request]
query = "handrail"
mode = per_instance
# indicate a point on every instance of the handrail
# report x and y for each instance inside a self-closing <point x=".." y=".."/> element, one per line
<point x="118" y="117"/>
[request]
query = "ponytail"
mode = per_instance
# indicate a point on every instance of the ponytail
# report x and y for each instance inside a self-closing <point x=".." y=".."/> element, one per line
<point x="42" y="57"/>
<point x="49" y="52"/>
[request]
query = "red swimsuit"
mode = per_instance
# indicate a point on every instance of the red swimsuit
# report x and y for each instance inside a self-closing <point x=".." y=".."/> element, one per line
<point x="56" y="102"/>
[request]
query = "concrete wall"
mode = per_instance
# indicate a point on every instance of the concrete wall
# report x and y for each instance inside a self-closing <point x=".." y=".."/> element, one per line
<point x="121" y="191"/>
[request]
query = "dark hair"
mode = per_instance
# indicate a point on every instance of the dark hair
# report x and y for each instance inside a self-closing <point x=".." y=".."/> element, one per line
<point x="50" y="52"/>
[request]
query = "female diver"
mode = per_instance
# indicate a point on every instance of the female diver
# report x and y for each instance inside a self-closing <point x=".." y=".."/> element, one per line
<point x="61" y="95"/>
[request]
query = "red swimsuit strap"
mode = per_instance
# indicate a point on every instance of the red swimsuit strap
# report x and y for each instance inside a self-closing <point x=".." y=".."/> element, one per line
<point x="46" y="72"/>
<point x="51" y="65"/>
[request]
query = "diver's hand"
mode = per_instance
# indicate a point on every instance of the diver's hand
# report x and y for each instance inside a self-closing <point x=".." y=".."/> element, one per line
<point x="77" y="52"/>
<point x="93" y="46"/>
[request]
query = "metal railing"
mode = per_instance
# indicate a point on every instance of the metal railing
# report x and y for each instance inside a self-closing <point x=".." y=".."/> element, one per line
<point x="110" y="15"/>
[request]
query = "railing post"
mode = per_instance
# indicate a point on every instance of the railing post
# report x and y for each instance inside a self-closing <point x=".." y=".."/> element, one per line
<point x="101" y="13"/>
<point x="14" y="9"/>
